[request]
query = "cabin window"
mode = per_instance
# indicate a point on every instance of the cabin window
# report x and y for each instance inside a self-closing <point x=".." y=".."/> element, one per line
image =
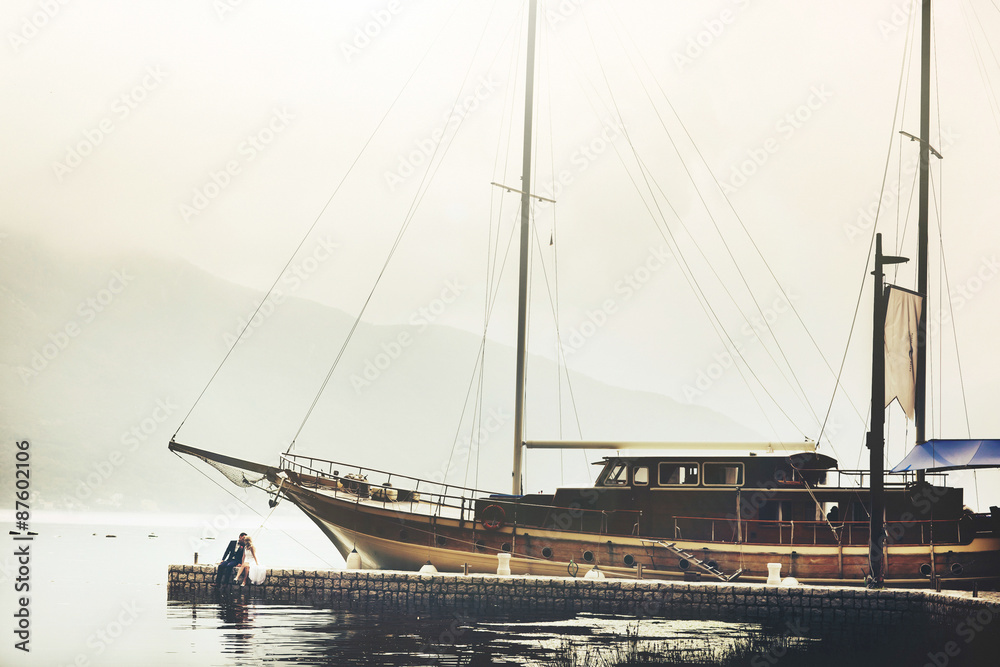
<point x="618" y="476"/>
<point x="723" y="474"/>
<point x="672" y="474"/>
<point x="640" y="476"/>
<point x="776" y="510"/>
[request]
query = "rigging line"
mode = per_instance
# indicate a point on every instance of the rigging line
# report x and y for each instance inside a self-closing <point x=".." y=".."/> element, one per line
<point x="560" y="355"/>
<point x="954" y="328"/>
<point x="802" y="396"/>
<point x="692" y="281"/>
<point x="732" y="298"/>
<point x="981" y="66"/>
<point x="434" y="163"/>
<point x="749" y="237"/>
<point x="482" y="353"/>
<point x="906" y="220"/>
<point x="871" y="245"/>
<point x="685" y="269"/>
<point x="309" y="231"/>
<point x="560" y="359"/>
<point x="249" y="507"/>
<point x="511" y="76"/>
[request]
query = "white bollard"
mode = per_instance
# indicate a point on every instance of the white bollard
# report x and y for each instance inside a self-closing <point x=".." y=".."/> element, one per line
<point x="503" y="567"/>
<point x="428" y="568"/>
<point x="773" y="574"/>
<point x="594" y="573"/>
<point x="354" y="560"/>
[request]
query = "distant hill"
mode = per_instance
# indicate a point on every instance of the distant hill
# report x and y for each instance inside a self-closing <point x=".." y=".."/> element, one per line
<point x="101" y="359"/>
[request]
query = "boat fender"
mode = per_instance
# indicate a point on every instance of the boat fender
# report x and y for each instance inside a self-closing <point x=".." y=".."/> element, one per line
<point x="492" y="517"/>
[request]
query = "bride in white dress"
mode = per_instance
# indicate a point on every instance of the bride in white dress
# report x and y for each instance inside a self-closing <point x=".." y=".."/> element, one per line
<point x="255" y="572"/>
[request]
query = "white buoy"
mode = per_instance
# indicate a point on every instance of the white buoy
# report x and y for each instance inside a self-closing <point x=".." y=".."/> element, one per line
<point x="354" y="560"/>
<point x="428" y="568"/>
<point x="773" y="574"/>
<point x="789" y="581"/>
<point x="503" y="565"/>
<point x="594" y="573"/>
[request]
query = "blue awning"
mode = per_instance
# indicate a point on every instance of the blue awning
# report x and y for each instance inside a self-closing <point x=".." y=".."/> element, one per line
<point x="952" y="455"/>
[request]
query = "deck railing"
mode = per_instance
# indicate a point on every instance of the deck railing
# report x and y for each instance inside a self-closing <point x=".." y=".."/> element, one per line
<point x="438" y="499"/>
<point x="757" y="531"/>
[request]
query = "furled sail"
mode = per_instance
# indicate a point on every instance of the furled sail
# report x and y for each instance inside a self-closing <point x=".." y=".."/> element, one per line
<point x="901" y="317"/>
<point x="951" y="455"/>
<point x="237" y="471"/>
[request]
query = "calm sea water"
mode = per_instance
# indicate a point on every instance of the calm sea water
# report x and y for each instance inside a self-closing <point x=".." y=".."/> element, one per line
<point x="99" y="600"/>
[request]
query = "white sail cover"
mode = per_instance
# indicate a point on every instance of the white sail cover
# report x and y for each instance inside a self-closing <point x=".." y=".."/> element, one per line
<point x="901" y="317"/>
<point x="952" y="455"/>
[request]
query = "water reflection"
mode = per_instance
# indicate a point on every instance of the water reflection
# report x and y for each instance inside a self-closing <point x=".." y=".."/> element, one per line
<point x="247" y="631"/>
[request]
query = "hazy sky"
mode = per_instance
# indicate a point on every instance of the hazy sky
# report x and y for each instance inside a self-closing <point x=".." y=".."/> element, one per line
<point x="216" y="132"/>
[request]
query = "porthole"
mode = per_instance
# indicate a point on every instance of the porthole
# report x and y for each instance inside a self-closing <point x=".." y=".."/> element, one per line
<point x="480" y="545"/>
<point x="629" y="560"/>
<point x="588" y="556"/>
<point x="505" y="547"/>
<point x="403" y="535"/>
<point x="440" y="540"/>
<point x="547" y="552"/>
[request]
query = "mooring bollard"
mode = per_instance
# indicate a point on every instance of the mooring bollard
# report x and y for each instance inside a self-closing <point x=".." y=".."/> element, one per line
<point x="195" y="557"/>
<point x="773" y="574"/>
<point x="503" y="566"/>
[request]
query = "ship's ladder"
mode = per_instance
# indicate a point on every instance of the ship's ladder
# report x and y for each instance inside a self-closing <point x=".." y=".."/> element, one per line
<point x="705" y="566"/>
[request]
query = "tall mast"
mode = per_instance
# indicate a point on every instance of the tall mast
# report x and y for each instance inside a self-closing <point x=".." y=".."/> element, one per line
<point x="876" y="436"/>
<point x="920" y="397"/>
<point x="522" y="288"/>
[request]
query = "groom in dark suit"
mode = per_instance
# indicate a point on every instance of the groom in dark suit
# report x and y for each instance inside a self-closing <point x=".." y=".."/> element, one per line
<point x="232" y="558"/>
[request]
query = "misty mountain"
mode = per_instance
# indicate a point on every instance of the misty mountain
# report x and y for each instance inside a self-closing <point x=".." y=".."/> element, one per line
<point x="102" y="359"/>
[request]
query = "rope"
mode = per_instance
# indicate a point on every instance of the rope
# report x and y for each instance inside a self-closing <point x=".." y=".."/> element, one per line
<point x="422" y="189"/>
<point x="243" y="502"/>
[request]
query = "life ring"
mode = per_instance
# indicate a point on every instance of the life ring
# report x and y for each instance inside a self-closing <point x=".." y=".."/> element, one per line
<point x="492" y="517"/>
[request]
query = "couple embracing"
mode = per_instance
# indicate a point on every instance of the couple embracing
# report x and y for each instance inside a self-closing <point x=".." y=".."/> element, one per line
<point x="237" y="556"/>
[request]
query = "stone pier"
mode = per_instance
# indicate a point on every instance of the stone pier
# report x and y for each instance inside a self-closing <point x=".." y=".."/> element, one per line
<point x="818" y="611"/>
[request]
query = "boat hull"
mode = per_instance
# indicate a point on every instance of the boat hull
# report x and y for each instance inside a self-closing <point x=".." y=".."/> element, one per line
<point x="392" y="538"/>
